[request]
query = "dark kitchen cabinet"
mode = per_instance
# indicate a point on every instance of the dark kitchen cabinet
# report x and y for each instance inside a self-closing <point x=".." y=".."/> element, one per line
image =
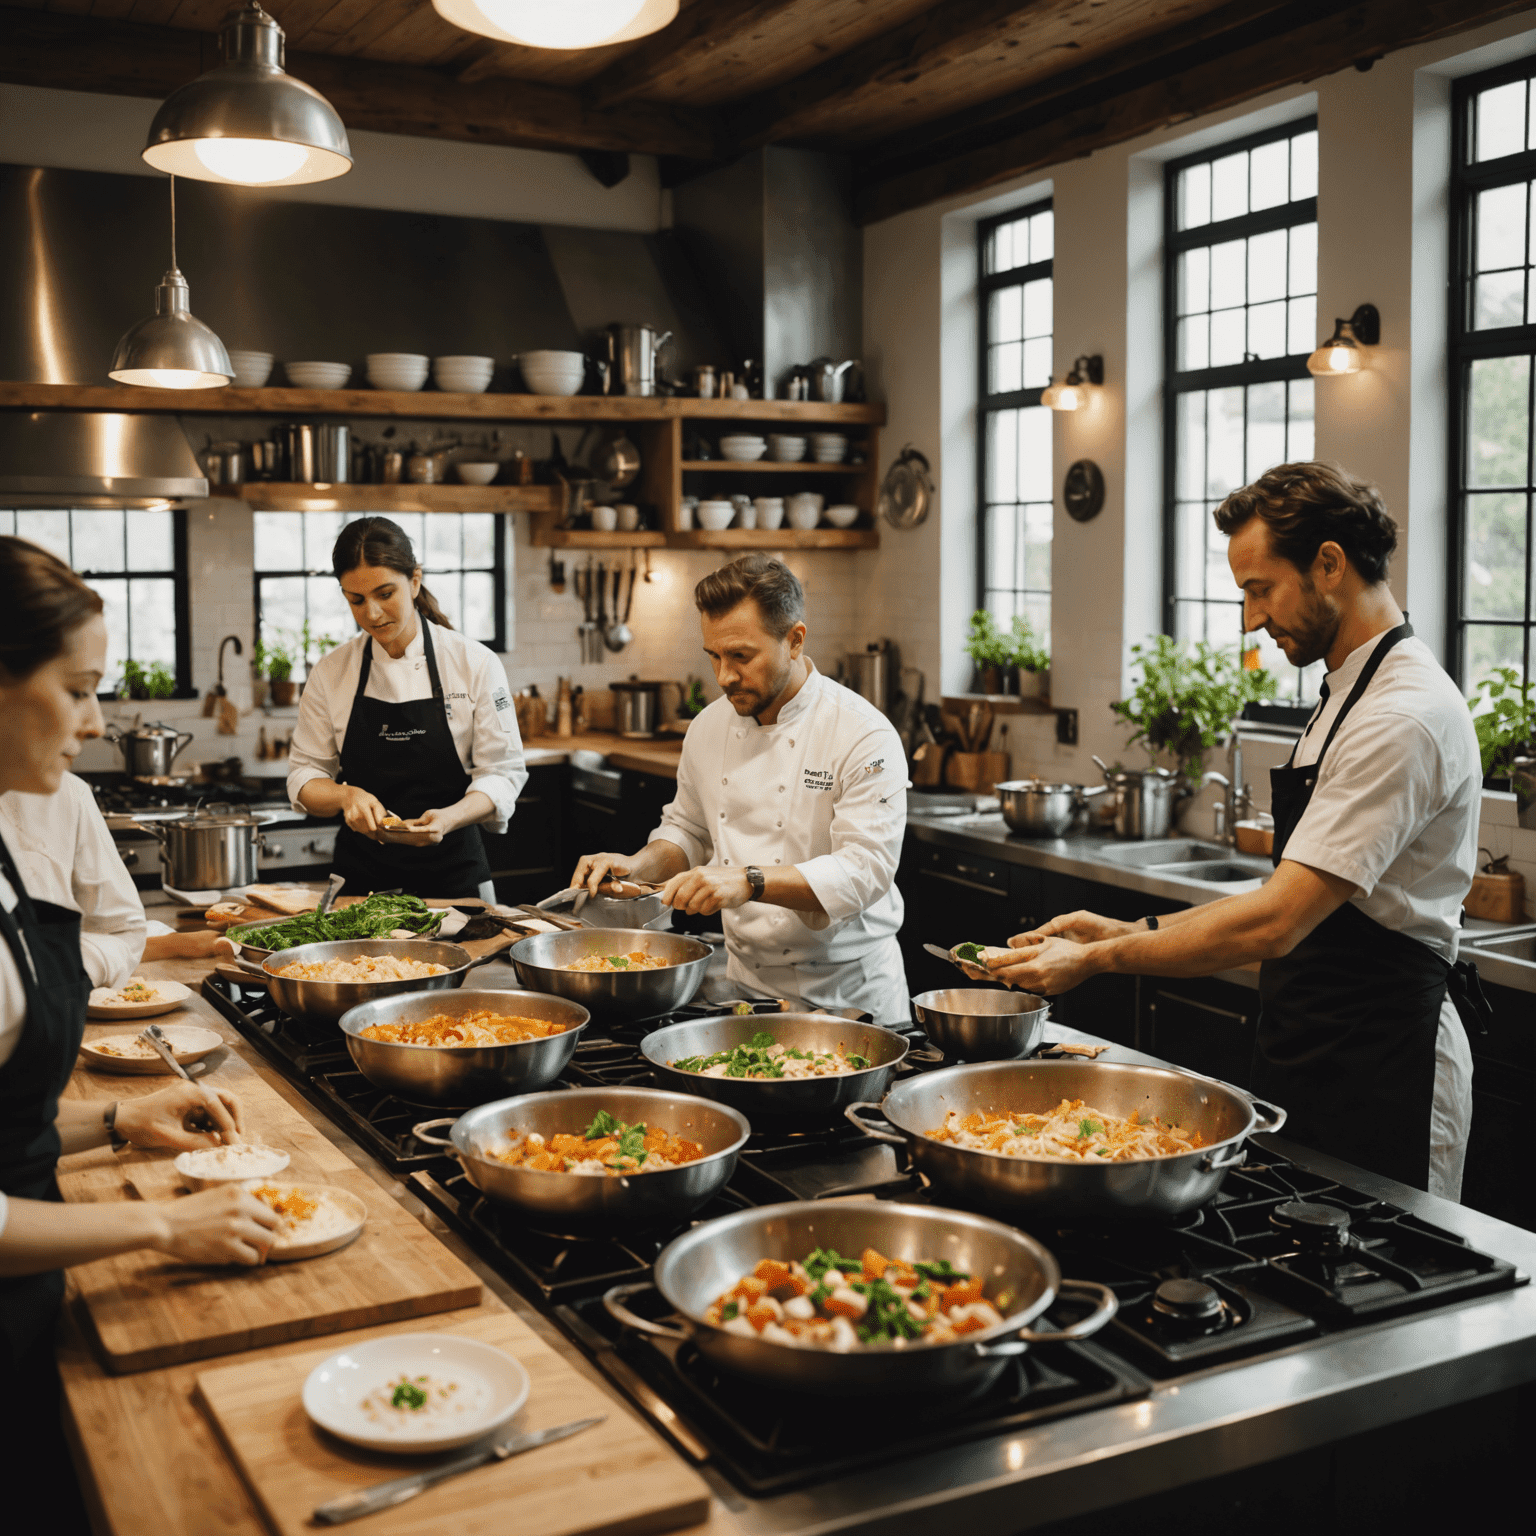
<point x="1497" y="1180"/>
<point x="950" y="897"/>
<point x="1201" y="1023"/>
<point x="642" y="798"/>
<point x="528" y="859"/>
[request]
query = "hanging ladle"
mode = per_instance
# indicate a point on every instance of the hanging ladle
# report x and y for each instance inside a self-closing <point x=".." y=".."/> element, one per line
<point x="619" y="633"/>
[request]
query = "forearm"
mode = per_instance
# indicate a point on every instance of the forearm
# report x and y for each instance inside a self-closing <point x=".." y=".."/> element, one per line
<point x="1218" y="936"/>
<point x="80" y="1126"/>
<point x="323" y="797"/>
<point x="789" y="888"/>
<point x="657" y="862"/>
<point x="41" y="1235"/>
<point x="475" y="806"/>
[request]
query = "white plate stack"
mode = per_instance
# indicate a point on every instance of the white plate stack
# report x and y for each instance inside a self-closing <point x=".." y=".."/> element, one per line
<point x="828" y="447"/>
<point x="786" y="448"/>
<point x="463" y="375"/>
<point x="318" y="375"/>
<point x="553" y="373"/>
<point x="398" y="370"/>
<point x="742" y="448"/>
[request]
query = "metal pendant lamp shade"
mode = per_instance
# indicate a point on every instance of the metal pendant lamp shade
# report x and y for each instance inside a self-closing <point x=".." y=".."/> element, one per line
<point x="172" y="349"/>
<point x="245" y="122"/>
<point x="567" y="24"/>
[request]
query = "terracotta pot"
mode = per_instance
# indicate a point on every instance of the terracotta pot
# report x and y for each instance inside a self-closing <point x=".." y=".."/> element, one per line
<point x="285" y="692"/>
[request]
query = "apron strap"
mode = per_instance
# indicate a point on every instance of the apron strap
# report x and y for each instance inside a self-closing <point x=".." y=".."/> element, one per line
<point x="1367" y="673"/>
<point x="436" y="680"/>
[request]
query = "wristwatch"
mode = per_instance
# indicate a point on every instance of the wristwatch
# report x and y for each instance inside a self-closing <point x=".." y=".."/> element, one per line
<point x="115" y="1137"/>
<point x="758" y="881"/>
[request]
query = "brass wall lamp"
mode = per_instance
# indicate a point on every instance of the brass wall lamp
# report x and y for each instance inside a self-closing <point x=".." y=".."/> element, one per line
<point x="1341" y="352"/>
<point x="1072" y="393"/>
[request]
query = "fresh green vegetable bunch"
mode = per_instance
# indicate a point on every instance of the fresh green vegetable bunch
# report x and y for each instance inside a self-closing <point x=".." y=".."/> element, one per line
<point x="985" y="643"/>
<point x="156" y="681"/>
<point x="1026" y="650"/>
<point x="375" y="918"/>
<point x="753" y="1060"/>
<point x="1188" y="699"/>
<point x="1504" y="714"/>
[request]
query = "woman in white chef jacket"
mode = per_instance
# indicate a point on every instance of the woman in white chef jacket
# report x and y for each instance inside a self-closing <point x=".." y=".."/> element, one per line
<point x="409" y="719"/>
<point x="790" y="811"/>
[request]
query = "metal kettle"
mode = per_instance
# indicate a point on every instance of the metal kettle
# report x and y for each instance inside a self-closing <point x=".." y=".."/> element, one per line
<point x="826" y="377"/>
<point x="633" y="351"/>
<point x="148" y="750"/>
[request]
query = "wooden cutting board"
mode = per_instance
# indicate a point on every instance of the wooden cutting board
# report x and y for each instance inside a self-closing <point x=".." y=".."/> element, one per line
<point x="615" y="1479"/>
<point x="147" y="1309"/>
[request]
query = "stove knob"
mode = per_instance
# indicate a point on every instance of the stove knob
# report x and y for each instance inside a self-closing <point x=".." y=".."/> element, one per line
<point x="272" y="851"/>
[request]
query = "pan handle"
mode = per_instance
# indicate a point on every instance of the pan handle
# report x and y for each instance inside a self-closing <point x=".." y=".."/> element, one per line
<point x="1104" y="1309"/>
<point x="852" y="1113"/>
<point x="1222" y="1158"/>
<point x="479" y="960"/>
<point x="422" y="1132"/>
<point x="1272" y="1114"/>
<point x="614" y="1301"/>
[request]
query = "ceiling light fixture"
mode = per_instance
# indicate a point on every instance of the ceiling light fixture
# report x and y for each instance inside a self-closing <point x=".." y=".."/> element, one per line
<point x="1341" y="352"/>
<point x="172" y="349"/>
<point x="246" y="123"/>
<point x="1072" y="393"/>
<point x="568" y="24"/>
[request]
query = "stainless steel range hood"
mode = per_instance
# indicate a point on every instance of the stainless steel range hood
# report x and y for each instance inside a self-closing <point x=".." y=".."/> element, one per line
<point x="95" y="459"/>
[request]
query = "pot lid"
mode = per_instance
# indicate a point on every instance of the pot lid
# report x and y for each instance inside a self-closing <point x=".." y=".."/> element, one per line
<point x="906" y="494"/>
<point x="199" y="820"/>
<point x="150" y="730"/>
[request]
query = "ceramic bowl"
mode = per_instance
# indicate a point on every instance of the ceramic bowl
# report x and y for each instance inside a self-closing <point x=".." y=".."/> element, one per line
<point x="318" y="375"/>
<point x="397" y="370"/>
<point x="252" y="369"/>
<point x="786" y="450"/>
<point x="842" y="516"/>
<point x="477" y="474"/>
<point x="540" y="382"/>
<point x="742" y="453"/>
<point x="604" y="519"/>
<point x="804" y="510"/>
<point x="715" y="515"/>
<point x="463" y="375"/>
<point x="770" y="511"/>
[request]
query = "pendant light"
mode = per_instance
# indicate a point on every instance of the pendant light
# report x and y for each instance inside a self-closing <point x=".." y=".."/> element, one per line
<point x="1341" y="352"/>
<point x="172" y="349"/>
<point x="566" y="24"/>
<point x="246" y="123"/>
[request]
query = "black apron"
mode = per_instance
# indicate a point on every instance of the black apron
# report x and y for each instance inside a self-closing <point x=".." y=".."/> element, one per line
<point x="1348" y="1019"/>
<point x="403" y="755"/>
<point x="44" y="941"/>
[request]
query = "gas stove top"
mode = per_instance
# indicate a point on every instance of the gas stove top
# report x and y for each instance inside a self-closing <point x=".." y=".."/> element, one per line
<point x="119" y="795"/>
<point x="1280" y="1258"/>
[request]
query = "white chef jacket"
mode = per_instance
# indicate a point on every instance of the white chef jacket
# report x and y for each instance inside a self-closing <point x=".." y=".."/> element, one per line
<point x="480" y="713"/>
<point x="64" y="854"/>
<point x="1395" y="812"/>
<point x="822" y="789"/>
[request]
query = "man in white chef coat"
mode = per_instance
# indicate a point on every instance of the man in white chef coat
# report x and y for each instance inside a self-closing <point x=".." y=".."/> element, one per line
<point x="790" y="811"/>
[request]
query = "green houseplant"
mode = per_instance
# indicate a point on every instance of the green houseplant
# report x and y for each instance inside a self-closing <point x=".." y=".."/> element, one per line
<point x="1504" y="715"/>
<point x="1186" y="700"/>
<point x="1029" y="659"/>
<point x="279" y="663"/>
<point x="990" y="649"/>
<point x="156" y="681"/>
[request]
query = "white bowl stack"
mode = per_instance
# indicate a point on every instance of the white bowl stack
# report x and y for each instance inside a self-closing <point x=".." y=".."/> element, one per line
<point x="318" y="375"/>
<point x="828" y="447"/>
<point x="785" y="448"/>
<point x="463" y="375"/>
<point x="252" y="369"/>
<point x="715" y="515"/>
<point x="398" y="370"/>
<point x="553" y="373"/>
<point x="742" y="448"/>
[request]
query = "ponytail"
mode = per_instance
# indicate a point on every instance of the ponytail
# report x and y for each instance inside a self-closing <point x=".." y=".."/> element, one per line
<point x="380" y="542"/>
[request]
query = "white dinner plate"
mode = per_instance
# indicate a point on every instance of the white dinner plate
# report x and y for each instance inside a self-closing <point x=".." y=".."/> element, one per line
<point x="188" y="1043"/>
<point x="354" y="1207"/>
<point x="494" y="1385"/>
<point x="168" y="995"/>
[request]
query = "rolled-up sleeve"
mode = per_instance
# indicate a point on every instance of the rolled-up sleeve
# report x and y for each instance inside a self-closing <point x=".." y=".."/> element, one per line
<point x="684" y="822"/>
<point x="868" y="824"/>
<point x="497" y="767"/>
<point x="314" y="751"/>
<point x="112" y="925"/>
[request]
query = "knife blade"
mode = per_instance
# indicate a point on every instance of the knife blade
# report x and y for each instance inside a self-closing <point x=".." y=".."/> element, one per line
<point x="368" y="1501"/>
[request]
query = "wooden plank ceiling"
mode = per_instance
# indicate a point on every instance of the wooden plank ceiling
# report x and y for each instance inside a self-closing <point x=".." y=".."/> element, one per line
<point x="929" y="98"/>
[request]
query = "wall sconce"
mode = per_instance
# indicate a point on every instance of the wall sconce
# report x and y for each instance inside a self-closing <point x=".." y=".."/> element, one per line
<point x="1341" y="352"/>
<point x="1072" y="393"/>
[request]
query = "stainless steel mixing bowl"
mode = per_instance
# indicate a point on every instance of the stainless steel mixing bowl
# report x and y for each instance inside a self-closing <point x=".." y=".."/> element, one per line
<point x="541" y="960"/>
<point x="982" y="1023"/>
<point x="328" y="1000"/>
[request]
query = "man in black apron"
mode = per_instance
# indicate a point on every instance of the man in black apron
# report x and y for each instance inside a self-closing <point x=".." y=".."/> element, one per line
<point x="1353" y="1040"/>
<point x="404" y="756"/>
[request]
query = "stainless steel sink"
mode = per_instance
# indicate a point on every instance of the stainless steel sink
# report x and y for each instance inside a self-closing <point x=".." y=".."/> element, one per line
<point x="1172" y="850"/>
<point x="1214" y="871"/>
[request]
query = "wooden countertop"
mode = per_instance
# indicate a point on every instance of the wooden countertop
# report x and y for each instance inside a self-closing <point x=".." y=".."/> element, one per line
<point x="149" y="1457"/>
<point x="659" y="756"/>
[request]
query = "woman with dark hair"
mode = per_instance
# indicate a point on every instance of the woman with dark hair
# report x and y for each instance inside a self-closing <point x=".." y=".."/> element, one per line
<point x="407" y="719"/>
<point x="53" y="644"/>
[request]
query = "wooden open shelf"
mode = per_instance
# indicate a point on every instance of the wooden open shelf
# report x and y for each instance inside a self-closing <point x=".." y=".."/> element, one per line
<point x="772" y="467"/>
<point x="542" y="536"/>
<point x="277" y="496"/>
<point x="775" y="538"/>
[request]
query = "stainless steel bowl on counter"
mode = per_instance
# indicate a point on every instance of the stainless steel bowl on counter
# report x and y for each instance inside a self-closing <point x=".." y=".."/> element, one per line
<point x="327" y="1001"/>
<point x="446" y="1074"/>
<point x="982" y="1023"/>
<point x="1024" y="1189"/>
<point x="580" y="1203"/>
<point x="1038" y="808"/>
<point x="541" y="962"/>
<point x="779" y="1098"/>
<point x="694" y="1270"/>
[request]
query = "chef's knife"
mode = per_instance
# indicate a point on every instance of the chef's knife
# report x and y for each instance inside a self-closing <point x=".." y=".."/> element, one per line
<point x="369" y="1501"/>
<point x="332" y="891"/>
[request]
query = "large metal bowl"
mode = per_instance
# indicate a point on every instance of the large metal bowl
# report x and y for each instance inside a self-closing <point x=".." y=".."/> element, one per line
<point x="695" y="1269"/>
<point x="982" y="1023"/>
<point x="445" y="1074"/>
<point x="1038" y="808"/>
<point x="782" y="1098"/>
<point x="541" y="960"/>
<point x="579" y="1203"/>
<point x="1045" y="1189"/>
<point x="326" y="1001"/>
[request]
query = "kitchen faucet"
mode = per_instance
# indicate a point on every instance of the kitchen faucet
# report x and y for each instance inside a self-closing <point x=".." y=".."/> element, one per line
<point x="1237" y="803"/>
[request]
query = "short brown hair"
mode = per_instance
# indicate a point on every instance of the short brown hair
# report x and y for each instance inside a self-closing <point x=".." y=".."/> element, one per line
<point x="1308" y="505"/>
<point x="768" y="582"/>
<point x="41" y="601"/>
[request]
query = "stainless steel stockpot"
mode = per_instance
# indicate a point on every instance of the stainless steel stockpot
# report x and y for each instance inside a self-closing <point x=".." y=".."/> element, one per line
<point x="327" y="1001"/>
<point x="580" y="1203"/>
<point x="541" y="960"/>
<point x="208" y="850"/>
<point x="148" y="750"/>
<point x="1024" y="1188"/>
<point x="1145" y="799"/>
<point x="779" y="1098"/>
<point x="982" y="1023"/>
<point x="1036" y="808"/>
<point x="445" y="1074"/>
<point x="694" y="1270"/>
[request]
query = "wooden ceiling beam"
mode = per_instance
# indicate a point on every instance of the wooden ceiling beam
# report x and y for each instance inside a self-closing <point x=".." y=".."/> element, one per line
<point x="83" y="53"/>
<point x="1119" y="109"/>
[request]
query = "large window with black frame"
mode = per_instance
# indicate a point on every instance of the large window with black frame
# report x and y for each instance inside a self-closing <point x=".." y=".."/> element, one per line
<point x="137" y="561"/>
<point x="1013" y="494"/>
<point x="301" y="614"/>
<point x="1492" y="346"/>
<point x="1240" y="319"/>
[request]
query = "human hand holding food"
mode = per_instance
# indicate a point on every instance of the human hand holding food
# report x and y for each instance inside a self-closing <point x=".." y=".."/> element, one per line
<point x="709" y="888"/>
<point x="1080" y="927"/>
<point x="183" y="1117"/>
<point x="1043" y="966"/>
<point x="430" y="827"/>
<point x="361" y="811"/>
<point x="226" y="1225"/>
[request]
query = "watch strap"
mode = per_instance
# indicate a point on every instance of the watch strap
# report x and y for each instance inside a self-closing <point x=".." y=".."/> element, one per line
<point x="109" y="1120"/>
<point x="1151" y="923"/>
<point x="758" y="881"/>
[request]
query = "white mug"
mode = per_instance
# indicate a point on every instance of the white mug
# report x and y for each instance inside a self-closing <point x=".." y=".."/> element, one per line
<point x="746" y="514"/>
<point x="805" y="509"/>
<point x="604" y="519"/>
<point x="628" y="515"/>
<point x="770" y="511"/>
<point x="685" y="515"/>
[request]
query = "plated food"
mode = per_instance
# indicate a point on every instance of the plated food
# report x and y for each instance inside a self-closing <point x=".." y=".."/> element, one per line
<point x="207" y="1166"/>
<point x="410" y="1403"/>
<point x="362" y="968"/>
<point x="376" y="918"/>
<point x="316" y="1218"/>
<point x="609" y="1148"/>
<point x="1072" y="1132"/>
<point x="482" y="1027"/>
<point x="136" y="999"/>
<point x="137" y="1057"/>
<point x="825" y="1301"/>
<point x="765" y="1057"/>
<point x="635" y="960"/>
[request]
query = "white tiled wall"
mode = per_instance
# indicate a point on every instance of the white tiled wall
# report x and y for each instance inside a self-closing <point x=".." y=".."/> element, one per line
<point x="1500" y="833"/>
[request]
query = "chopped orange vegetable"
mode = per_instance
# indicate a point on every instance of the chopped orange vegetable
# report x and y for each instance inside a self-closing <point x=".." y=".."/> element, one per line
<point x="772" y="1271"/>
<point x="751" y="1289"/>
<point x="967" y="1325"/>
<point x="875" y="1264"/>
<point x="840" y="1308"/>
<point x="760" y="1315"/>
<point x="963" y="1293"/>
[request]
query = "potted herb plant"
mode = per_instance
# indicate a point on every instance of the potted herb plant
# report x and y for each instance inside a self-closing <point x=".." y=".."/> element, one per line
<point x="280" y="675"/>
<point x="1188" y="699"/>
<point x="990" y="649"/>
<point x="1504" y="715"/>
<point x="156" y="681"/>
<point x="1030" y="659"/>
<point x="259" y="675"/>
